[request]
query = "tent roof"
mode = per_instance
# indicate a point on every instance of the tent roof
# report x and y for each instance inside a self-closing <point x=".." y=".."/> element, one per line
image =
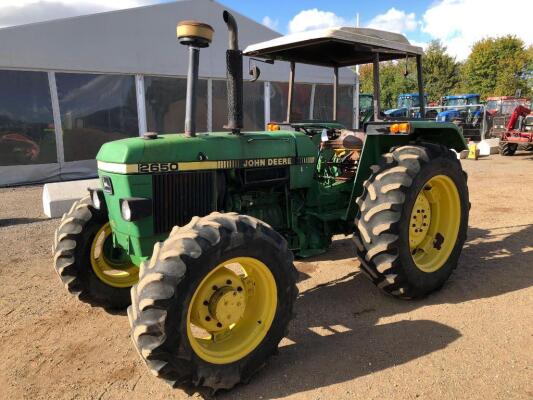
<point x="335" y="47"/>
<point x="139" y="41"/>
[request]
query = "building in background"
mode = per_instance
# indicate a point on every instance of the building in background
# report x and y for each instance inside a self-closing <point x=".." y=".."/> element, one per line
<point x="68" y="86"/>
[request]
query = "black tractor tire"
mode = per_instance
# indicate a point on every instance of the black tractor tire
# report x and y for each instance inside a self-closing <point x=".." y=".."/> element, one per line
<point x="508" y="149"/>
<point x="383" y="219"/>
<point x="72" y="248"/>
<point x="160" y="301"/>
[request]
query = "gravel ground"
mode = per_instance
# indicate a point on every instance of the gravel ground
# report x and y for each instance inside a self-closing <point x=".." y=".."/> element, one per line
<point x="471" y="340"/>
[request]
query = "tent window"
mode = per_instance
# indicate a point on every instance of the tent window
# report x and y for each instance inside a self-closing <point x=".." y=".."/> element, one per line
<point x="95" y="109"/>
<point x="26" y="123"/>
<point x="254" y="106"/>
<point x="278" y="101"/>
<point x="165" y="104"/>
<point x="323" y="109"/>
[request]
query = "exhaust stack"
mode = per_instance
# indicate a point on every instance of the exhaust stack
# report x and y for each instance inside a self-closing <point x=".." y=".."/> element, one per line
<point x="195" y="35"/>
<point x="234" y="76"/>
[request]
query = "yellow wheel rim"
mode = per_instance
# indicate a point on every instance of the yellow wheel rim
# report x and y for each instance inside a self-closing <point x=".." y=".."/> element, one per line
<point x="434" y="223"/>
<point x="114" y="270"/>
<point x="232" y="310"/>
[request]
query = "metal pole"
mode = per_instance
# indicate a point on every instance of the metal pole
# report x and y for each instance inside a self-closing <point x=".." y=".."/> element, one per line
<point x="355" y="123"/>
<point x="190" y="101"/>
<point x="420" y="86"/>
<point x="141" y="104"/>
<point x="335" y="91"/>
<point x="356" y="112"/>
<point x="291" y="90"/>
<point x="376" y="87"/>
<point x="58" y="128"/>
<point x="484" y="124"/>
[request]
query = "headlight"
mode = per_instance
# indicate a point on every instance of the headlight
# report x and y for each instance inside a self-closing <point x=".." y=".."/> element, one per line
<point x="135" y="208"/>
<point x="98" y="199"/>
<point x="125" y="210"/>
<point x="107" y="184"/>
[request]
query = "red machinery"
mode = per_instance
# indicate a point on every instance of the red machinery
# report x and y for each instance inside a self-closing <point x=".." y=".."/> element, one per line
<point x="518" y="131"/>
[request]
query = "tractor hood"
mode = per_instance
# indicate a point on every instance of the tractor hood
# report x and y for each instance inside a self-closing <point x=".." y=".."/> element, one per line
<point x="396" y="112"/>
<point x="448" y="115"/>
<point x="204" y="148"/>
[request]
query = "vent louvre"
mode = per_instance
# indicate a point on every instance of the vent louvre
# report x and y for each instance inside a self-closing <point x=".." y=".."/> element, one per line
<point x="179" y="197"/>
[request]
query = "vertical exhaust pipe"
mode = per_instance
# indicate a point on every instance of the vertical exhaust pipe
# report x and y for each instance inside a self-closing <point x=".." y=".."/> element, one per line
<point x="234" y="76"/>
<point x="195" y="35"/>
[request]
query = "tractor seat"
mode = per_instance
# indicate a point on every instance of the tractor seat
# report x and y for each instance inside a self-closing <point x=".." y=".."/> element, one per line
<point x="347" y="140"/>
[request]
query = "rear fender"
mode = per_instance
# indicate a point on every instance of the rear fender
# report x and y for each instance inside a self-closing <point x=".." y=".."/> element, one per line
<point x="378" y="143"/>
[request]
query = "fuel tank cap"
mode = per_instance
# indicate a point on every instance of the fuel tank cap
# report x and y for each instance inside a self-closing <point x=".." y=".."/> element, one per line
<point x="149" y="135"/>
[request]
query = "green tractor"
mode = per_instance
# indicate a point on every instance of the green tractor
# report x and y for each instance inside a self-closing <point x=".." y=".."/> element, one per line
<point x="202" y="228"/>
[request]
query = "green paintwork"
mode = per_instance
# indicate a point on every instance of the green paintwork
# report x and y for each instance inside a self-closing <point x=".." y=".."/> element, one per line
<point x="214" y="146"/>
<point x="312" y="207"/>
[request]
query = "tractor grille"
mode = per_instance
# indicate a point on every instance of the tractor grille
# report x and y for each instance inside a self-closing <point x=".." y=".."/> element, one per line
<point x="179" y="197"/>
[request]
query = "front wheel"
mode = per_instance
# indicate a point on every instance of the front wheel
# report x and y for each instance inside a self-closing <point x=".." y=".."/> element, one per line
<point x="85" y="259"/>
<point x="508" y="149"/>
<point x="214" y="301"/>
<point x="412" y="220"/>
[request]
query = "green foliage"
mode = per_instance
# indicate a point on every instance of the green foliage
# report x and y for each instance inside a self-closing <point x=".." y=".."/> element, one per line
<point x="440" y="71"/>
<point x="393" y="80"/>
<point x="498" y="67"/>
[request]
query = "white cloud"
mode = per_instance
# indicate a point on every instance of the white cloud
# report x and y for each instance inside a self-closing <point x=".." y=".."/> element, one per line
<point x="460" y="23"/>
<point x="270" y="23"/>
<point x="424" y="45"/>
<point x="394" y="21"/>
<point x="314" y="18"/>
<point x="18" y="12"/>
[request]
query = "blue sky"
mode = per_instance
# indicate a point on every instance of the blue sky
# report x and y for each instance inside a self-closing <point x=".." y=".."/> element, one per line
<point x="458" y="24"/>
<point x="284" y="10"/>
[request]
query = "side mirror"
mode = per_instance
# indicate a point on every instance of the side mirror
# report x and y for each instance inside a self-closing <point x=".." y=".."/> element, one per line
<point x="255" y="72"/>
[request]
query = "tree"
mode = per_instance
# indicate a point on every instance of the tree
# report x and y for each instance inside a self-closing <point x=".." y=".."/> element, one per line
<point x="440" y="74"/>
<point x="440" y="71"/>
<point x="497" y="67"/>
<point x="393" y="80"/>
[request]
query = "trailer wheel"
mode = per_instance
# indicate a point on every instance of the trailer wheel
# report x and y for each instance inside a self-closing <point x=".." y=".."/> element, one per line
<point x="86" y="262"/>
<point x="412" y="220"/>
<point x="214" y="301"/>
<point x="508" y="149"/>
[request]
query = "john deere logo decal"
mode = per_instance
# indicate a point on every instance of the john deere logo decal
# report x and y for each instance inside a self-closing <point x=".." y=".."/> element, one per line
<point x="266" y="162"/>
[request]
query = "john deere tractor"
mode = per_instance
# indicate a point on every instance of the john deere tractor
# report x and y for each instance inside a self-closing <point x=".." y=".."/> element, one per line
<point x="201" y="228"/>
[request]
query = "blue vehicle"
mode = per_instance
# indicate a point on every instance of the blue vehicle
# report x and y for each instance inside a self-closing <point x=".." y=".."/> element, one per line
<point x="463" y="110"/>
<point x="405" y="102"/>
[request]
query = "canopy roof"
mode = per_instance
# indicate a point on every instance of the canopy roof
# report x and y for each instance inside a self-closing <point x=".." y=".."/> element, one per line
<point x="335" y="47"/>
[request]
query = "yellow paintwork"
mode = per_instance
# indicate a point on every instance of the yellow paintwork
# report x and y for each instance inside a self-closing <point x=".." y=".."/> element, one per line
<point x="194" y="29"/>
<point x="473" y="151"/>
<point x="435" y="220"/>
<point x="112" y="273"/>
<point x="230" y="313"/>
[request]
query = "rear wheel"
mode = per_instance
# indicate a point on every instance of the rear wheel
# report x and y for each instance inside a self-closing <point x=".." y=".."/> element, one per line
<point x="508" y="149"/>
<point x="412" y="220"/>
<point x="86" y="261"/>
<point x="214" y="301"/>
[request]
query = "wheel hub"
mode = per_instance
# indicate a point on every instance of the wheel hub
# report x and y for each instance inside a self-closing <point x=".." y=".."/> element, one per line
<point x="420" y="220"/>
<point x="227" y="305"/>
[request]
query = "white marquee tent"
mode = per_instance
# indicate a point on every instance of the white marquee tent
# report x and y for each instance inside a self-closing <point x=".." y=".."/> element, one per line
<point x="69" y="85"/>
